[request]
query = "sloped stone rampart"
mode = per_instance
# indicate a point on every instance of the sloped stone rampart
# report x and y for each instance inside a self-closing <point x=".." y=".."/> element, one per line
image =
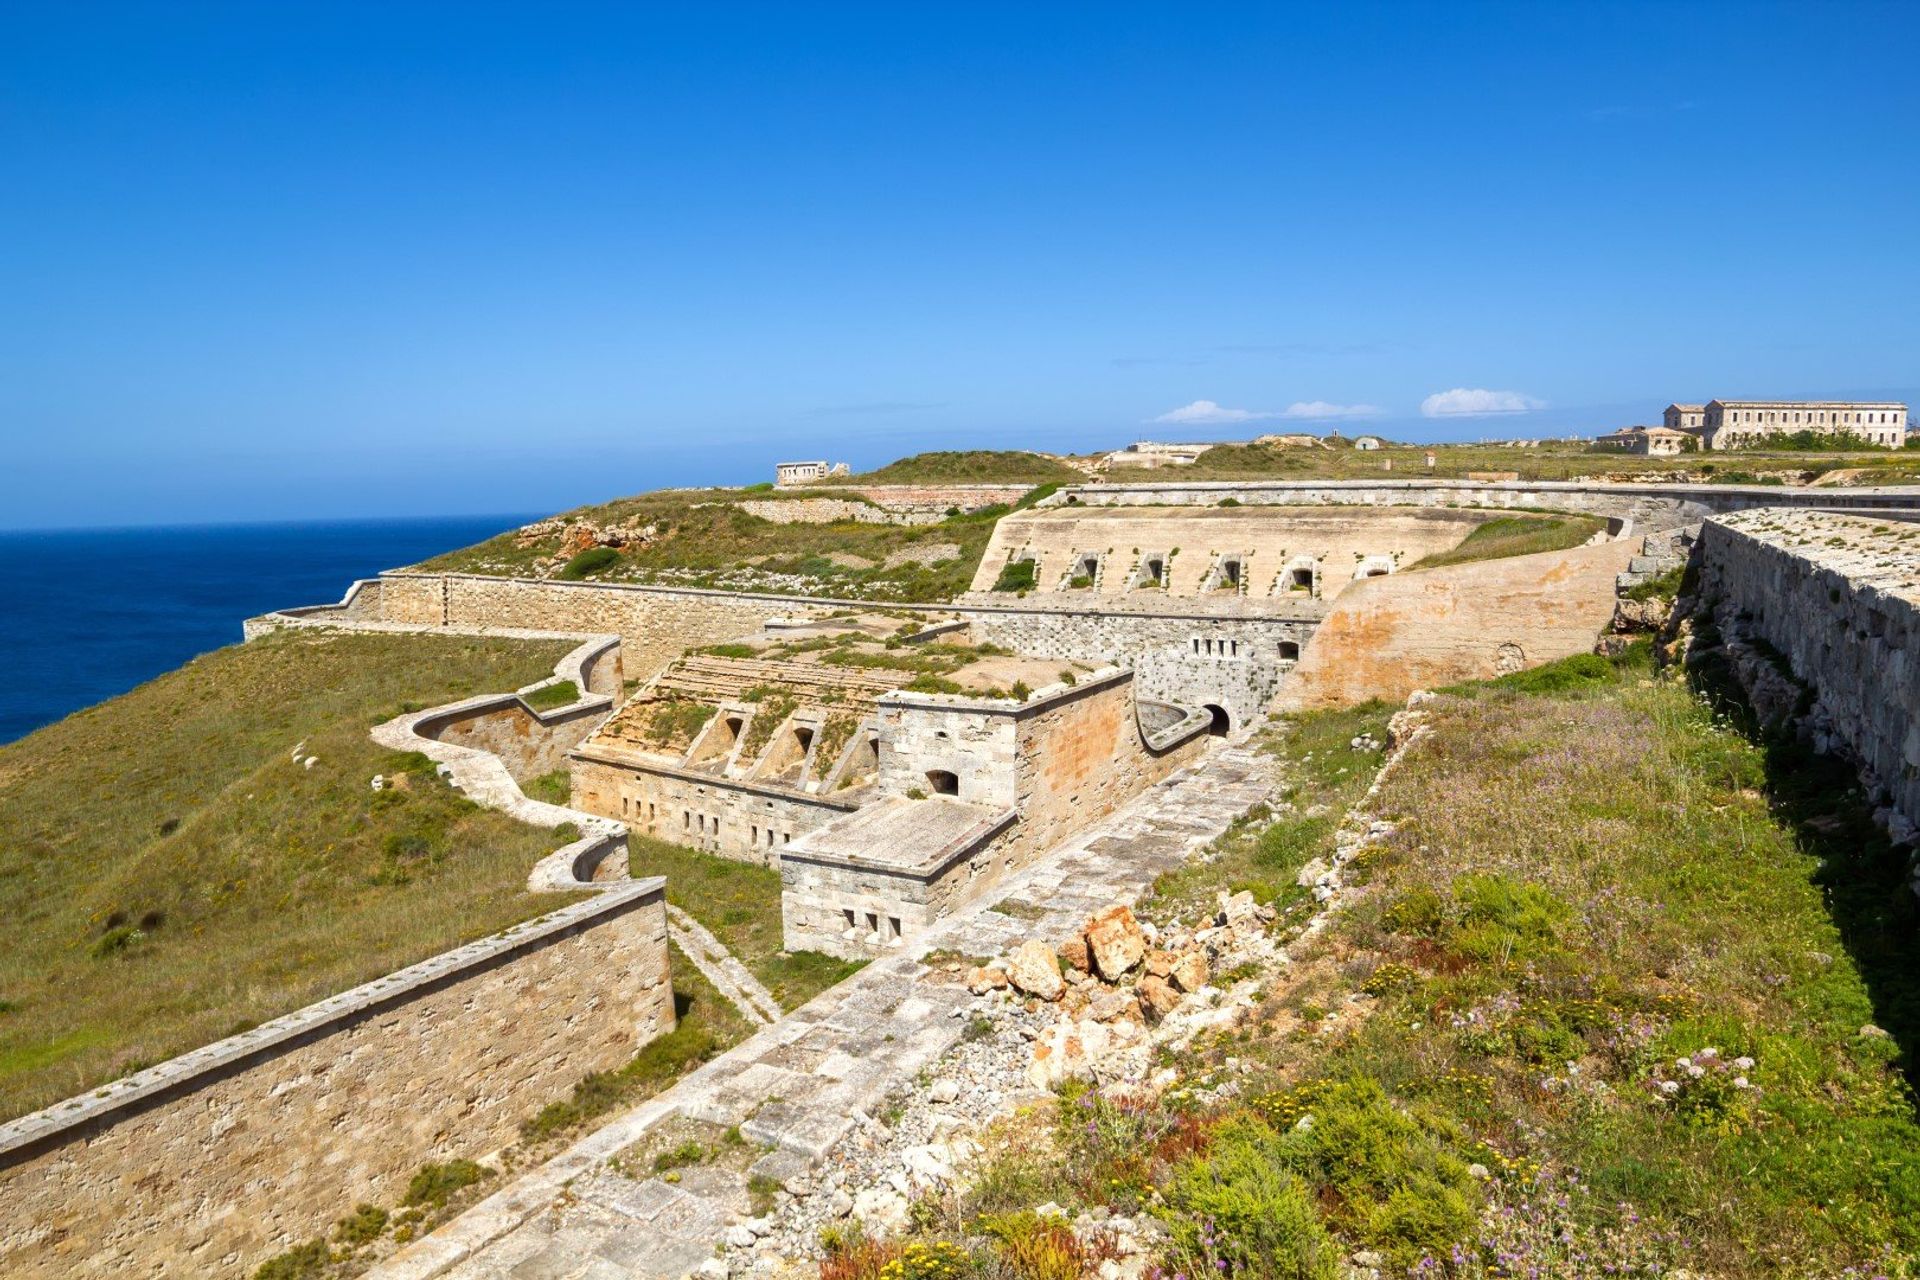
<point x="1388" y="636"/>
<point x="1838" y="597"/>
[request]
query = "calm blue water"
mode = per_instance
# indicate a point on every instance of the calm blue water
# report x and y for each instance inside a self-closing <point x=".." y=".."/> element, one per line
<point x="91" y="613"/>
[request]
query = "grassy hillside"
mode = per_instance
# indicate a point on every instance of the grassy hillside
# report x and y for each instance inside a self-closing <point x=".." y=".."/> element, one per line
<point x="704" y="539"/>
<point x="968" y="466"/>
<point x="170" y="875"/>
<point x="1555" y="461"/>
<point x="1609" y="1003"/>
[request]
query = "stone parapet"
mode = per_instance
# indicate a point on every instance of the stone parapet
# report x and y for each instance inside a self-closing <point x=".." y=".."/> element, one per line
<point x="1838" y="598"/>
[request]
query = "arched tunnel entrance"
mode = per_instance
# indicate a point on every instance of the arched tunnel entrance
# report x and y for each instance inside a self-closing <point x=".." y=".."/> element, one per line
<point x="1221" y="722"/>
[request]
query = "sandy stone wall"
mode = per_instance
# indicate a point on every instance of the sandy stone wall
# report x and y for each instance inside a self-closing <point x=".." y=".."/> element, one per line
<point x="1839" y="597"/>
<point x="1390" y="636"/>
<point x="719" y="815"/>
<point x="938" y="499"/>
<point x="1267" y="545"/>
<point x="816" y="511"/>
<point x="208" y="1164"/>
<point x="529" y="745"/>
<point x="655" y="624"/>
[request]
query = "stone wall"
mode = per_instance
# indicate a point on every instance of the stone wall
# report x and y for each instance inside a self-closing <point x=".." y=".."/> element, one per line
<point x="1389" y="636"/>
<point x="1024" y="776"/>
<point x="655" y="624"/>
<point x="938" y="499"/>
<point x="1268" y="548"/>
<point x="528" y="743"/>
<point x="732" y="818"/>
<point x="209" y="1163"/>
<point x="1651" y="507"/>
<point x="816" y="511"/>
<point x="1839" y="598"/>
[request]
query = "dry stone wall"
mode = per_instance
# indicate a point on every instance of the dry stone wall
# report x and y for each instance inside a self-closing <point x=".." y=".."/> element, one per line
<point x="209" y="1163"/>
<point x="655" y="624"/>
<point x="1839" y="598"/>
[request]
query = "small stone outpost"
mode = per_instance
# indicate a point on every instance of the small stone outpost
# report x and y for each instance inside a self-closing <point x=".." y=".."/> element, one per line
<point x="1077" y="732"/>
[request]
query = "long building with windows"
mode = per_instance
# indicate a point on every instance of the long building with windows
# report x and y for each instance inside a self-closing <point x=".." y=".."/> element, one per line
<point x="1733" y="424"/>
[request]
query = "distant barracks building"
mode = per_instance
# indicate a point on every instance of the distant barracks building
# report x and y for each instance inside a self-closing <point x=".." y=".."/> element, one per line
<point x="1733" y="424"/>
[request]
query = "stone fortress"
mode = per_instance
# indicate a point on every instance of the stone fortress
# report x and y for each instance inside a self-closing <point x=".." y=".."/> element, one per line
<point x="1734" y="424"/>
<point x="1075" y="719"/>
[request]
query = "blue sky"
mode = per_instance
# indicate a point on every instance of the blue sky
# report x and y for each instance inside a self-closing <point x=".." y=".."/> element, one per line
<point x="279" y="261"/>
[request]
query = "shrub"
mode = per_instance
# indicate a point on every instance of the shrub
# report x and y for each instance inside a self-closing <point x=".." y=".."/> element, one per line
<point x="1238" y="1209"/>
<point x="363" y="1226"/>
<point x="433" y="1185"/>
<point x="1016" y="575"/>
<point x="687" y="1153"/>
<point x="302" y="1262"/>
<point x="588" y="562"/>
<point x="1034" y="1247"/>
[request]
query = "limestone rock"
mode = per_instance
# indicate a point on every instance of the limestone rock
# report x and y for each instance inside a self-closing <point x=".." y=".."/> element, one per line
<point x="1640" y="616"/>
<point x="1115" y="941"/>
<point x="1160" y="963"/>
<point x="1157" y="996"/>
<point x="1034" y="969"/>
<point x="944" y="1091"/>
<point x="982" y="980"/>
<point x="1111" y="1006"/>
<point x="1190" y="971"/>
<point x="1311" y="873"/>
<point x="1239" y="909"/>
<point x="1074" y="952"/>
<point x="1065" y="1050"/>
<point x="881" y="1209"/>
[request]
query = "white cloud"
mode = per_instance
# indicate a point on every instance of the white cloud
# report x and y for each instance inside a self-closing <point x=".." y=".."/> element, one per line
<point x="1475" y="402"/>
<point x="1205" y="412"/>
<point x="1321" y="409"/>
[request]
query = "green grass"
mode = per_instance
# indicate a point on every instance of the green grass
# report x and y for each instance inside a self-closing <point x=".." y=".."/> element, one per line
<point x="562" y="694"/>
<point x="1548" y="461"/>
<point x="967" y="466"/>
<point x="1594" y="875"/>
<point x="1505" y="536"/>
<point x="170" y="875"/>
<point x="739" y="902"/>
<point x="705" y="541"/>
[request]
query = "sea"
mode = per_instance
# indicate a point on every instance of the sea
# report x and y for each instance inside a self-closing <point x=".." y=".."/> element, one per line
<point x="89" y="613"/>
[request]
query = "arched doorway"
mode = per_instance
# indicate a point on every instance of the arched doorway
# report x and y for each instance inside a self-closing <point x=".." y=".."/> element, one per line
<point x="1221" y="721"/>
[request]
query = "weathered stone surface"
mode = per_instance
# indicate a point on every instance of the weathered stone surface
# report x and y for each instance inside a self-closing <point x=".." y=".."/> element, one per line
<point x="1190" y="971"/>
<point x="982" y="979"/>
<point x="1157" y="996"/>
<point x="1160" y="963"/>
<point x="1115" y="941"/>
<point x="1034" y="969"/>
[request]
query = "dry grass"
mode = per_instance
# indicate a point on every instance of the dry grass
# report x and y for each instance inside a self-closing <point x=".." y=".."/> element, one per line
<point x="171" y="875"/>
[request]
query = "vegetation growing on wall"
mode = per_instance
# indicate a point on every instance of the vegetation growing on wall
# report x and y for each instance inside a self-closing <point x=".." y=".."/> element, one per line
<point x="1516" y="535"/>
<point x="173" y="872"/>
<point x="702" y="539"/>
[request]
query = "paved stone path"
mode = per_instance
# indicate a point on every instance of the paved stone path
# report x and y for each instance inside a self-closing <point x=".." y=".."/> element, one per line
<point x="799" y="1084"/>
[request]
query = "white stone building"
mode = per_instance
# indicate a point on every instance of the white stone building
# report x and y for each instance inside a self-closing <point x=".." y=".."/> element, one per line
<point x="1153" y="453"/>
<point x="792" y="473"/>
<point x="1731" y="424"/>
<point x="1684" y="417"/>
